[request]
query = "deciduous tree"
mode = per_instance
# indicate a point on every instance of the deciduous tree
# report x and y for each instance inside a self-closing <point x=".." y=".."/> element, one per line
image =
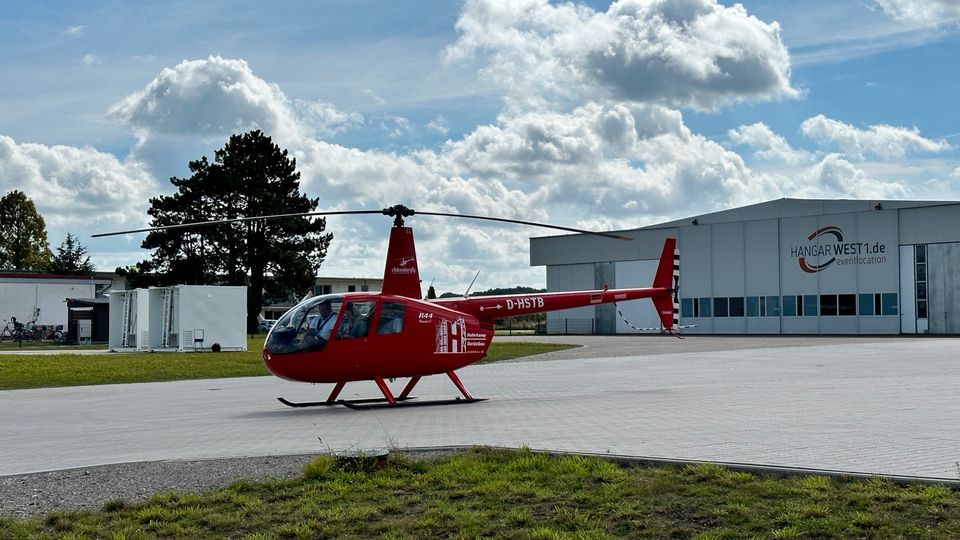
<point x="23" y="234"/>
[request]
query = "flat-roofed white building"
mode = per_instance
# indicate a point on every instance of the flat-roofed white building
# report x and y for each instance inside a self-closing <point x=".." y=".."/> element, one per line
<point x="325" y="285"/>
<point x="26" y="295"/>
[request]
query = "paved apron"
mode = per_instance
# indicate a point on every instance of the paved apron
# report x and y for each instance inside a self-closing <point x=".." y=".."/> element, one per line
<point x="883" y="407"/>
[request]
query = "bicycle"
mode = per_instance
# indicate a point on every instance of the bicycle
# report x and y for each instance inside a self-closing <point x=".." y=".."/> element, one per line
<point x="14" y="331"/>
<point x="49" y="332"/>
<point x="7" y="333"/>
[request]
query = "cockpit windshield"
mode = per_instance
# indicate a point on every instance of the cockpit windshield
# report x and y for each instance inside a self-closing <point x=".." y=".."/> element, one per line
<point x="306" y="327"/>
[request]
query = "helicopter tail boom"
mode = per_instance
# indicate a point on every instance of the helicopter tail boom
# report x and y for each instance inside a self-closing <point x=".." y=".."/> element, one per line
<point x="488" y="308"/>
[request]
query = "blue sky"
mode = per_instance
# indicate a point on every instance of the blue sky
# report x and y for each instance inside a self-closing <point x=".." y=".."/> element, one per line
<point x="594" y="114"/>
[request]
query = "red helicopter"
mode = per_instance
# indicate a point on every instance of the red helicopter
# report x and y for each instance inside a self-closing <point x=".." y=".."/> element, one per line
<point x="380" y="336"/>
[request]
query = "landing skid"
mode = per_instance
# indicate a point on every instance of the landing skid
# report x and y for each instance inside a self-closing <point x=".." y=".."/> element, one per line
<point x="384" y="404"/>
<point x="388" y="399"/>
<point x="344" y="402"/>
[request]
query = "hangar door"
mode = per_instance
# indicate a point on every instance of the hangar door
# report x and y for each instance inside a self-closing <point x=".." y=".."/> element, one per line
<point x="943" y="288"/>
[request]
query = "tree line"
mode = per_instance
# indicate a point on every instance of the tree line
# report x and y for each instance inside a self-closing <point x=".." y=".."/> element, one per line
<point x="24" y="246"/>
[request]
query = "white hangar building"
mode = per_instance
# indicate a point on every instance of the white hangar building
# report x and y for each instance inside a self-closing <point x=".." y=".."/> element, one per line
<point x="788" y="266"/>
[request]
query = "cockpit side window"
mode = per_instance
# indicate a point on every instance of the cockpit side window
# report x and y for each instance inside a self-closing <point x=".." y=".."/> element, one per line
<point x="391" y="319"/>
<point x="306" y="327"/>
<point x="355" y="322"/>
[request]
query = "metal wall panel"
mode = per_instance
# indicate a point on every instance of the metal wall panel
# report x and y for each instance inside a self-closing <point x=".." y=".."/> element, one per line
<point x="879" y="325"/>
<point x="695" y="261"/>
<point x="794" y="233"/>
<point x="943" y="288"/>
<point x="928" y="225"/>
<point x="838" y="325"/>
<point x="730" y="325"/>
<point x="727" y="253"/>
<point x="586" y="248"/>
<point x="763" y="325"/>
<point x="761" y="264"/>
<point x="800" y="325"/>
<point x="570" y="277"/>
<point x="605" y="273"/>
<point x="640" y="313"/>
<point x="878" y="263"/>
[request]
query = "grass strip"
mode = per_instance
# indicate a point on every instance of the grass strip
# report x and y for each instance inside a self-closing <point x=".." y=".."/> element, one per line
<point x="487" y="493"/>
<point x="57" y="370"/>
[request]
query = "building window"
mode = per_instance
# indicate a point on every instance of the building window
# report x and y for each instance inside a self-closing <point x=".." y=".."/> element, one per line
<point x="773" y="306"/>
<point x="921" y="276"/>
<point x="705" y="307"/>
<point x="720" y="307"/>
<point x="810" y="305"/>
<point x="686" y="307"/>
<point x="322" y="289"/>
<point x="888" y="303"/>
<point x="790" y="306"/>
<point x="847" y="305"/>
<point x="828" y="305"/>
<point x="736" y="306"/>
<point x="867" y="306"/>
<point x="351" y="288"/>
<point x="753" y="306"/>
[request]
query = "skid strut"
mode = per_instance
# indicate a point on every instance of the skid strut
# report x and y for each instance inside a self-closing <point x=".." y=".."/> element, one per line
<point x="388" y="399"/>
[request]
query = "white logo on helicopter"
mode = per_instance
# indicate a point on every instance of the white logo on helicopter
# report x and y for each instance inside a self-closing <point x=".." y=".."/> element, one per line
<point x="400" y="267"/>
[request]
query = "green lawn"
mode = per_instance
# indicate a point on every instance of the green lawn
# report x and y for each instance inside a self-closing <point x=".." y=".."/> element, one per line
<point x="8" y="345"/>
<point x="41" y="371"/>
<point x="518" y="494"/>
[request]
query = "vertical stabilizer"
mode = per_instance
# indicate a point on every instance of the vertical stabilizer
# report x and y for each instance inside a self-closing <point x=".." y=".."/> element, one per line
<point x="401" y="275"/>
<point x="668" y="277"/>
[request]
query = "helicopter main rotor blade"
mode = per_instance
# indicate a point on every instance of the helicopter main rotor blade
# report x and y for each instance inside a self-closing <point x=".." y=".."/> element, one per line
<point x="397" y="211"/>
<point x="237" y="220"/>
<point x="521" y="222"/>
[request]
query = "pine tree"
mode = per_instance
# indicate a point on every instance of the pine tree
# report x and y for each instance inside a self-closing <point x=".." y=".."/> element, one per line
<point x="250" y="176"/>
<point x="71" y="259"/>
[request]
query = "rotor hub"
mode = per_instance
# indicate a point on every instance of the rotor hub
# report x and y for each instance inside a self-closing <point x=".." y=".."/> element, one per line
<point x="398" y="212"/>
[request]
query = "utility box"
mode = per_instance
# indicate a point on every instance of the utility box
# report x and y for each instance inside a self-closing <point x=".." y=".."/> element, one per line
<point x="180" y="318"/>
<point x="84" y="332"/>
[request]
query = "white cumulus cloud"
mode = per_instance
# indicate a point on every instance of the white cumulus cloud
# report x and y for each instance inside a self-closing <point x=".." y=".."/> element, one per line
<point x="881" y="141"/>
<point x="930" y="12"/>
<point x="834" y="176"/>
<point x="77" y="190"/>
<point x="210" y="97"/>
<point x="324" y="118"/>
<point x="766" y="144"/>
<point x="681" y="53"/>
<point x="438" y="125"/>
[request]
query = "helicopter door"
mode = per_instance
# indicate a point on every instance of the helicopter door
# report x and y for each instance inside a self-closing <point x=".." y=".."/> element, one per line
<point x="391" y="319"/>
<point x="355" y="322"/>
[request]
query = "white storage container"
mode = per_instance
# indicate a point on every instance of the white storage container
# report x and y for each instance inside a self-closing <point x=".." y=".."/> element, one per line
<point x="179" y="318"/>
